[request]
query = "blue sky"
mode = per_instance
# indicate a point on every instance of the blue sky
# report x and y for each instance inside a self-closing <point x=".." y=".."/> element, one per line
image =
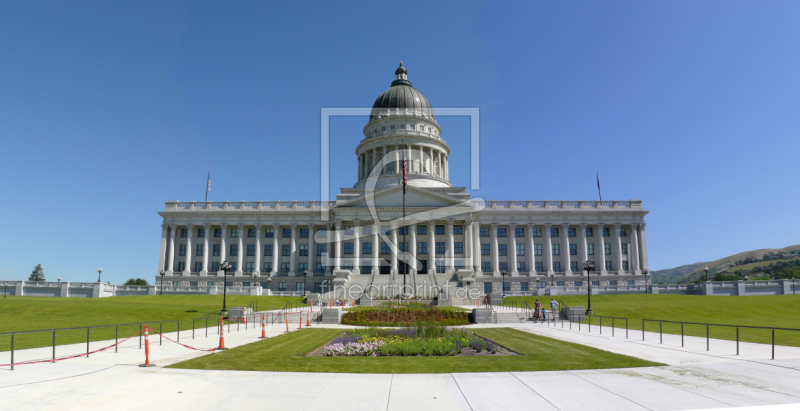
<point x="108" y="109"/>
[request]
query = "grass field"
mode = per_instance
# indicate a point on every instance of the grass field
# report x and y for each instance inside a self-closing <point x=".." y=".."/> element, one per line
<point x="768" y="311"/>
<point x="41" y="313"/>
<point x="287" y="352"/>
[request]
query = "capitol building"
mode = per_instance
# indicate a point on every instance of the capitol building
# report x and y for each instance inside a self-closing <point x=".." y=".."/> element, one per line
<point x="447" y="239"/>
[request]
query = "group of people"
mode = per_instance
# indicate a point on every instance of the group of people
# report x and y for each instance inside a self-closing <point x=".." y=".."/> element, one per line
<point x="540" y="314"/>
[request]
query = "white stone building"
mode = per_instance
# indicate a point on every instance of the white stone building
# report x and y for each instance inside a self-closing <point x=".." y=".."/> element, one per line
<point x="452" y="239"/>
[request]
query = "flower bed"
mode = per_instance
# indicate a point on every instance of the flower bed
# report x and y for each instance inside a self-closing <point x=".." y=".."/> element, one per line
<point x="424" y="339"/>
<point x="403" y="315"/>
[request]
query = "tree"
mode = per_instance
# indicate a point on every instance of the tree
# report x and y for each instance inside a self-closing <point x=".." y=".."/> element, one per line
<point x="137" y="281"/>
<point x="37" y="274"/>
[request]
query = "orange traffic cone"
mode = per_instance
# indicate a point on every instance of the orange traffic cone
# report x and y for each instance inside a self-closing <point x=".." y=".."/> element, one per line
<point x="287" y="322"/>
<point x="221" y="334"/>
<point x="146" y="349"/>
<point x="301" y="320"/>
<point x="263" y="326"/>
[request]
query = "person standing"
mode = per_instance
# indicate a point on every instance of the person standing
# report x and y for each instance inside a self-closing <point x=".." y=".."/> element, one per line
<point x="554" y="307"/>
<point x="537" y="310"/>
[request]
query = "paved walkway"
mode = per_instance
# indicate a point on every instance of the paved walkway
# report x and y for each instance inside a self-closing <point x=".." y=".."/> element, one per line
<point x="693" y="379"/>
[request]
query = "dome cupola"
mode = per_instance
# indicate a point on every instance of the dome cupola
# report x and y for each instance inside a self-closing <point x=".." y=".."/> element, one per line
<point x="401" y="100"/>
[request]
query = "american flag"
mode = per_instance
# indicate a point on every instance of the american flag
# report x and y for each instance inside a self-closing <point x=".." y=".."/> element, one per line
<point x="405" y="171"/>
<point x="209" y="181"/>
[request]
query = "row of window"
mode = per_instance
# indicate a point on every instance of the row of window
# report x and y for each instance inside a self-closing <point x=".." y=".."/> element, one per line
<point x="421" y="127"/>
<point x="523" y="286"/>
<point x="301" y="287"/>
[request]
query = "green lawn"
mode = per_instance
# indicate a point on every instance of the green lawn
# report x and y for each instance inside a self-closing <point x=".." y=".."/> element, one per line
<point x="41" y="313"/>
<point x="287" y="353"/>
<point x="768" y="311"/>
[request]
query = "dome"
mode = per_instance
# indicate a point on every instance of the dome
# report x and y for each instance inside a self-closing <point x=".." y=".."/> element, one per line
<point x="401" y="99"/>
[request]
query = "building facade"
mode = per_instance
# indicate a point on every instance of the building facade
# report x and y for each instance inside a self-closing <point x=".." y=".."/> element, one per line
<point x="447" y="239"/>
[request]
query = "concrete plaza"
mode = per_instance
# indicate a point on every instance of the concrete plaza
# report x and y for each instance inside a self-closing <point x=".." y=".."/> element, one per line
<point x="693" y="379"/>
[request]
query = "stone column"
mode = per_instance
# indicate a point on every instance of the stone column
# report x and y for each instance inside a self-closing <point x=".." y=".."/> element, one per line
<point x="532" y="251"/>
<point x="376" y="248"/>
<point x="162" y="255"/>
<point x="449" y="252"/>
<point x="548" y="249"/>
<point x="412" y="247"/>
<point x="468" y="244"/>
<point x="643" y="247"/>
<point x="312" y="248"/>
<point x="259" y="227"/>
<point x="565" y="246"/>
<point x="432" y="248"/>
<point x="337" y="240"/>
<point x="495" y="250"/>
<point x="240" y="260"/>
<point x="512" y="253"/>
<point x="600" y="252"/>
<point x="618" y="249"/>
<point x="476" y="247"/>
<point x="206" y="250"/>
<point x="356" y="247"/>
<point x="276" y="248"/>
<point x="329" y="247"/>
<point x="582" y="257"/>
<point x="293" y="271"/>
<point x="189" y="251"/>
<point x="171" y="261"/>
<point x="394" y="249"/>
<point x="633" y="252"/>
<point x="222" y="244"/>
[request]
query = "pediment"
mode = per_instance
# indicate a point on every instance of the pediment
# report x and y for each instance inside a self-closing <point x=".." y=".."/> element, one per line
<point x="393" y="197"/>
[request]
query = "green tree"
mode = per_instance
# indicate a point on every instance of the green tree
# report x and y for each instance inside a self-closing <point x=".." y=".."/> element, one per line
<point x="137" y="281"/>
<point x="37" y="274"/>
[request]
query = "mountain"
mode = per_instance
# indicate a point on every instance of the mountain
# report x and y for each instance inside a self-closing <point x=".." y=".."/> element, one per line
<point x="672" y="275"/>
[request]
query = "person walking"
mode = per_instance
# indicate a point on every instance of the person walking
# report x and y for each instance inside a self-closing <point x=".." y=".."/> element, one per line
<point x="553" y="307"/>
<point x="537" y="313"/>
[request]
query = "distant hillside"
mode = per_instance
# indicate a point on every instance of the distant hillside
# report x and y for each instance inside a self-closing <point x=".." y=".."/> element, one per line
<point x="741" y="259"/>
<point x="672" y="275"/>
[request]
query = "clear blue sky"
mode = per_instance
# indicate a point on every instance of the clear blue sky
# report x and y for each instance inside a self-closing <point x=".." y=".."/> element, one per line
<point x="108" y="109"/>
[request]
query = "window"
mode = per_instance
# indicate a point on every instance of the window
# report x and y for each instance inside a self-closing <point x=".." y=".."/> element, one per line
<point x="629" y="282"/>
<point x="303" y="233"/>
<point x="215" y="267"/>
<point x="623" y="232"/>
<point x="559" y="283"/>
<point x="234" y="232"/>
<point x="265" y="285"/>
<point x="348" y="247"/>
<point x="503" y="266"/>
<point x="458" y="229"/>
<point x="192" y="283"/>
<point x="487" y="287"/>
<point x="553" y="231"/>
<point x="440" y="268"/>
<point x="412" y="126"/>
<point x="318" y="287"/>
<point x="506" y="286"/>
<point x="198" y="266"/>
<point x="184" y="233"/>
<point x="286" y="250"/>
<point x="590" y="249"/>
<point x="321" y="249"/>
<point x="422" y="247"/>
<point x="251" y="249"/>
<point x="556" y="249"/>
<point x="402" y="230"/>
<point x="459" y="265"/>
<point x="625" y="265"/>
<point x="612" y="282"/>
<point x="366" y="268"/>
<point x="537" y="249"/>
<point x="217" y="232"/>
<point x="459" y="246"/>
<point x="348" y="229"/>
<point x="281" y="286"/>
<point x="403" y="247"/>
<point x="284" y="267"/>
<point x="520" y="249"/>
<point x="268" y="250"/>
<point x="384" y="128"/>
<point x="502" y="249"/>
<point x="519" y="232"/>
<point x="439" y="247"/>
<point x="366" y="248"/>
<point x="589" y="232"/>
<point x="304" y="250"/>
<point x="176" y="283"/>
<point x="608" y="265"/>
<point x="269" y="233"/>
<point x="385" y="229"/>
<point x="521" y="266"/>
<point x="484" y="232"/>
<point x="578" y="283"/>
<point x="485" y="249"/>
<point x="199" y="250"/>
<point x="422" y="229"/>
<point x="606" y="232"/>
<point x="320" y="268"/>
<point x="596" y="283"/>
<point x="201" y="232"/>
<point x="523" y="286"/>
<point x="402" y="126"/>
<point x="501" y="232"/>
<point x="249" y="267"/>
<point x="234" y="266"/>
<point x="537" y="232"/>
<point x="570" y="232"/>
<point x="557" y="266"/>
<point x="573" y="249"/>
<point x="251" y="232"/>
<point x="539" y="267"/>
<point x="439" y="230"/>
<point x="607" y="247"/>
<point x="385" y="248"/>
<point x="267" y="267"/>
<point x="286" y="233"/>
<point x="182" y="249"/>
<point x="625" y="248"/>
<point x="486" y="267"/>
<point x="216" y="250"/>
<point x="302" y="267"/>
<point x="573" y="266"/>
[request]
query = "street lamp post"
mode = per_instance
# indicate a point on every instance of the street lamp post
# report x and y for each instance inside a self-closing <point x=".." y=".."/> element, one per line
<point x="99" y="272"/>
<point x="305" y="283"/>
<point x="706" y="270"/>
<point x="645" y="271"/>
<point x="503" y="273"/>
<point x="552" y="279"/>
<point x="225" y="267"/>
<point x="589" y="267"/>
<point x="162" y="273"/>
<point x="59" y="281"/>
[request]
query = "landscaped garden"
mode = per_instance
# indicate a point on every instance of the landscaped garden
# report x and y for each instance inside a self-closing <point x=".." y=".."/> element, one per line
<point x="393" y="315"/>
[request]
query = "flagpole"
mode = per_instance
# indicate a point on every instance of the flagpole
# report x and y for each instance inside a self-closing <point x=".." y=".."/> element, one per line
<point x="405" y="229"/>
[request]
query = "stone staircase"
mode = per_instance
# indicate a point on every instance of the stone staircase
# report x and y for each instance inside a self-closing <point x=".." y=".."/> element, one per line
<point x="511" y="317"/>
